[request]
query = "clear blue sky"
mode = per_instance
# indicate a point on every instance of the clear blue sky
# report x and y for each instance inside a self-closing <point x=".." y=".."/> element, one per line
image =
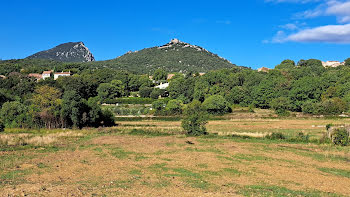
<point x="250" y="33"/>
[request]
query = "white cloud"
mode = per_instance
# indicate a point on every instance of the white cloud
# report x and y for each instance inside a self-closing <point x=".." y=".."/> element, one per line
<point x="294" y="32"/>
<point x="327" y="34"/>
<point x="340" y="9"/>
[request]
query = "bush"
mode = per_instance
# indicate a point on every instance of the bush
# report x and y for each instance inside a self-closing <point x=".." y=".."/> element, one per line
<point x="301" y="137"/>
<point x="108" y="118"/>
<point x="195" y="118"/>
<point x="276" y="136"/>
<point x="340" y="137"/>
<point x="216" y="104"/>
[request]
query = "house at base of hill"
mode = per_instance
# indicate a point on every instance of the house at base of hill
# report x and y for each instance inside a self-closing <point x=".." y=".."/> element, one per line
<point x="61" y="74"/>
<point x="263" y="69"/>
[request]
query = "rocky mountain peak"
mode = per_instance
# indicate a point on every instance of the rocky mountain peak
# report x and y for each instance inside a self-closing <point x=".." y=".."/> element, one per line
<point x="67" y="52"/>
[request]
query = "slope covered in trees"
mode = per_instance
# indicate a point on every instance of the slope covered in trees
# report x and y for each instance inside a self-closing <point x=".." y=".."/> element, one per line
<point x="175" y="56"/>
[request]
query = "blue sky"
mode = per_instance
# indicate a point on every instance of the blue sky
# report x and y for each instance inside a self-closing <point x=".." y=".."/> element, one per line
<point x="251" y="33"/>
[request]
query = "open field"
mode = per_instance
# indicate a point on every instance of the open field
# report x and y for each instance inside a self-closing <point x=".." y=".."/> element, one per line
<point x="158" y="160"/>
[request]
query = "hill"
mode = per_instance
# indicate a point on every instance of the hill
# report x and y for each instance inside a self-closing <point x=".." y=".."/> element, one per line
<point x="67" y="52"/>
<point x="175" y="56"/>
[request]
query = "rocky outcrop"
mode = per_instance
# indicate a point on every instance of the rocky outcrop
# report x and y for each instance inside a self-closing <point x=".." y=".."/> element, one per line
<point x="67" y="52"/>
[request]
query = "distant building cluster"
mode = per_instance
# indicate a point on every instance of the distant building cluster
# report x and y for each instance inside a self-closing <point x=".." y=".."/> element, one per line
<point x="263" y="69"/>
<point x="332" y="64"/>
<point x="47" y="74"/>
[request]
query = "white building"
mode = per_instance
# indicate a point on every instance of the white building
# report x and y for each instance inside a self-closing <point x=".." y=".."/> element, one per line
<point x="332" y="64"/>
<point x="46" y="74"/>
<point x="61" y="74"/>
<point x="163" y="86"/>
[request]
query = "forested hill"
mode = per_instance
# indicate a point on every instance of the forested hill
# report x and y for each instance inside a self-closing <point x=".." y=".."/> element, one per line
<point x="67" y="52"/>
<point x="175" y="56"/>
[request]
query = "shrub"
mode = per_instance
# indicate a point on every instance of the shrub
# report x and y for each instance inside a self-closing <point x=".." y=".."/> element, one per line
<point x="276" y="136"/>
<point x="195" y="118"/>
<point x="301" y="137"/>
<point x="340" y="137"/>
<point x="216" y="104"/>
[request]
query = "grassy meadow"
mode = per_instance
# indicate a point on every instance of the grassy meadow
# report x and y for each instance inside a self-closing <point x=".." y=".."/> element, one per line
<point x="153" y="157"/>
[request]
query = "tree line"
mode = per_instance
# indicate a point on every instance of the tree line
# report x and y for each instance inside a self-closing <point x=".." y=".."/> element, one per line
<point x="75" y="101"/>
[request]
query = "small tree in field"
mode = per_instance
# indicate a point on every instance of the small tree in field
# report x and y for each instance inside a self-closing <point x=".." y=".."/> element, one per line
<point x="195" y="118"/>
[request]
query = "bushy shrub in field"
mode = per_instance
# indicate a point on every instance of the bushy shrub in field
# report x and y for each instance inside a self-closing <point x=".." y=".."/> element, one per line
<point x="340" y="137"/>
<point x="301" y="137"/>
<point x="276" y="136"/>
<point x="195" y="118"/>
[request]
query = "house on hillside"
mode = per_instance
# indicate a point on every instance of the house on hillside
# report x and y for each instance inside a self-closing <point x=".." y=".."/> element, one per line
<point x="2" y="76"/>
<point x="46" y="74"/>
<point x="170" y="76"/>
<point x="263" y="69"/>
<point x="37" y="76"/>
<point x="162" y="86"/>
<point x="332" y="64"/>
<point x="61" y="74"/>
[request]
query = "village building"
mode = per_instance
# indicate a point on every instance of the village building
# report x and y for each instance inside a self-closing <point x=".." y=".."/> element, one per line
<point x="37" y="76"/>
<point x="61" y="74"/>
<point x="46" y="74"/>
<point x="162" y="86"/>
<point x="170" y="76"/>
<point x="263" y="69"/>
<point x="3" y="76"/>
<point x="332" y="64"/>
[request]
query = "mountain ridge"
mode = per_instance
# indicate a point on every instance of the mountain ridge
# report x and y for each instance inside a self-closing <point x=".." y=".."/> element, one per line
<point x="66" y="52"/>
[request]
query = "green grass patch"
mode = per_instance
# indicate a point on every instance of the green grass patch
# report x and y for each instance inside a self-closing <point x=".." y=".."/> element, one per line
<point x="248" y="157"/>
<point x="135" y="172"/>
<point x="120" y="153"/>
<point x="142" y="132"/>
<point x="260" y="190"/>
<point x="337" y="172"/>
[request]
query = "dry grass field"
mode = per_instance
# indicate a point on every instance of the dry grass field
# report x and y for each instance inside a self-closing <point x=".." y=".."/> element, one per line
<point x="157" y="159"/>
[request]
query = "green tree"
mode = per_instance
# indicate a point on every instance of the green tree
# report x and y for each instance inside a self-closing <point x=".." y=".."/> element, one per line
<point x="216" y="104"/>
<point x="47" y="102"/>
<point x="145" y="92"/>
<point x="73" y="109"/>
<point x="195" y="118"/>
<point x="13" y="114"/>
<point x="347" y="62"/>
<point x="110" y="90"/>
<point x="286" y="64"/>
<point x="174" y="107"/>
<point x="160" y="74"/>
<point x="281" y="106"/>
